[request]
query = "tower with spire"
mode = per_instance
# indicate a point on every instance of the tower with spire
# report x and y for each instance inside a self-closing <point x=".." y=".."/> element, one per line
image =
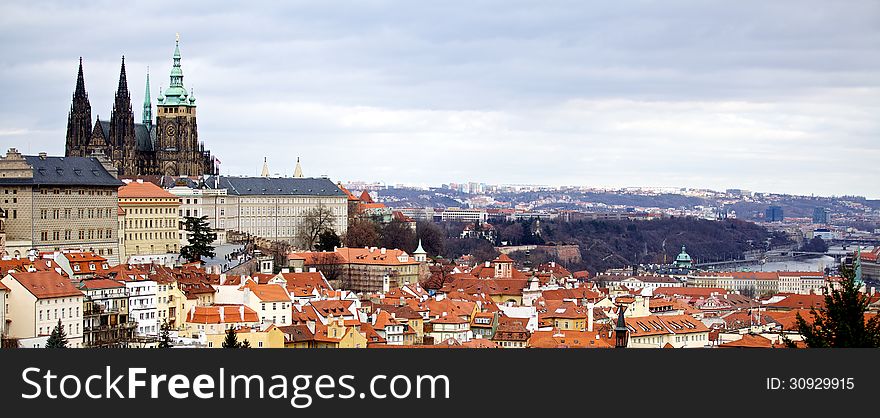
<point x="265" y="172"/>
<point x="147" y="115"/>
<point x="79" y="119"/>
<point x="298" y="171"/>
<point x="167" y="144"/>
<point x="121" y="130"/>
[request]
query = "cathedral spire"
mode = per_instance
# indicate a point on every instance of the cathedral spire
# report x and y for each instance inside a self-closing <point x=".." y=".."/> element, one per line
<point x="79" y="119"/>
<point x="298" y="171"/>
<point x="123" y="81"/>
<point x="80" y="91"/>
<point x="148" y="106"/>
<point x="176" y="94"/>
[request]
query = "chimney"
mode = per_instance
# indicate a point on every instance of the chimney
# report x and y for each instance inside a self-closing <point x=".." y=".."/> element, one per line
<point x="590" y="317"/>
<point x="241" y="312"/>
<point x="222" y="313"/>
<point x="382" y="251"/>
<point x="222" y="279"/>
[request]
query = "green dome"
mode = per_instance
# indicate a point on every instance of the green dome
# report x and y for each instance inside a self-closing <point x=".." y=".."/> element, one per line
<point x="683" y="257"/>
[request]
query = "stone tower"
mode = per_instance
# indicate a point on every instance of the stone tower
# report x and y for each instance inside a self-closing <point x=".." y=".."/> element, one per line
<point x="177" y="140"/>
<point x="79" y="120"/>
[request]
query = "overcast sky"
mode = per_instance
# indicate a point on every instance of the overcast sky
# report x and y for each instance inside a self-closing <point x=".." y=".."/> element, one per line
<point x="768" y="96"/>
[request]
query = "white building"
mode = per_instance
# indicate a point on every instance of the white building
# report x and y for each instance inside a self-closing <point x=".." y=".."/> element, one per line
<point x="36" y="301"/>
<point x="142" y="304"/>
<point x="450" y="326"/>
<point x="273" y="208"/>
<point x="464" y="215"/>
<point x="4" y="306"/>
<point x="213" y="203"/>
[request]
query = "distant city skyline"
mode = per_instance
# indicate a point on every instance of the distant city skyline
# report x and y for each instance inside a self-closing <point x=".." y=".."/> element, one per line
<point x="674" y="94"/>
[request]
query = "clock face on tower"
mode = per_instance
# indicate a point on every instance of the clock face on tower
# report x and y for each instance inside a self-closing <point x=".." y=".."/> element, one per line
<point x="170" y="130"/>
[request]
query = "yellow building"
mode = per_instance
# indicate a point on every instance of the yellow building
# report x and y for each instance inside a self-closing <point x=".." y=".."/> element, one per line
<point x="151" y="219"/>
<point x="271" y="337"/>
<point x="338" y="333"/>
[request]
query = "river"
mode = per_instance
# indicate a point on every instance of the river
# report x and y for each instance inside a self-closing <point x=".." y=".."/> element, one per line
<point x="811" y="264"/>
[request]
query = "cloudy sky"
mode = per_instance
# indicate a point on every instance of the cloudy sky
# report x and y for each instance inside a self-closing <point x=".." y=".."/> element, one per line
<point x="768" y="96"/>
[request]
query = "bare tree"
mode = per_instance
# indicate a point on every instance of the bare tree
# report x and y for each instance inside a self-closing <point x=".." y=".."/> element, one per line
<point x="315" y="221"/>
<point x="330" y="265"/>
<point x="362" y="233"/>
<point x="279" y="251"/>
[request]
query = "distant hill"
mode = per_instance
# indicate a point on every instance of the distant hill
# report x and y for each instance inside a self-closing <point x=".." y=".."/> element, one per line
<point x="615" y="244"/>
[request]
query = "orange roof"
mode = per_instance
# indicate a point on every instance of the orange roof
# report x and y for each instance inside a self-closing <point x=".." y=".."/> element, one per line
<point x="384" y="319"/>
<point x="365" y="197"/>
<point x="91" y="284"/>
<point x="268" y="292"/>
<point x="794" y="301"/>
<point x="3" y="287"/>
<point x="347" y="193"/>
<point x="689" y="291"/>
<point x="222" y="314"/>
<point x="556" y="338"/>
<point x="749" y="341"/>
<point x="503" y="258"/>
<point x="307" y="280"/>
<point x="46" y="284"/>
<point x="146" y="189"/>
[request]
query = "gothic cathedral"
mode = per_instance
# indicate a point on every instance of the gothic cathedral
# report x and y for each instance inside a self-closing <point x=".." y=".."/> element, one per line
<point x="169" y="147"/>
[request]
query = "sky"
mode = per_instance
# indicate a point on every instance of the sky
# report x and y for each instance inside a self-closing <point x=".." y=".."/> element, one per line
<point x="780" y="96"/>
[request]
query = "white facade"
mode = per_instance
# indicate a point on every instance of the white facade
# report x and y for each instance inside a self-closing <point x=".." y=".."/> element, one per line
<point x="33" y="317"/>
<point x="460" y="331"/>
<point x="464" y="215"/>
<point x="213" y="203"/>
<point x="4" y="308"/>
<point x="142" y="305"/>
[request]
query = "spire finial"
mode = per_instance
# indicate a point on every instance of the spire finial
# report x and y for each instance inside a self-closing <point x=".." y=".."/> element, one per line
<point x="177" y="37"/>
<point x="297" y="172"/>
<point x="265" y="172"/>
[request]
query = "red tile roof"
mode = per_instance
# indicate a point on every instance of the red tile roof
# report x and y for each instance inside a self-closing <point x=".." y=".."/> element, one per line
<point x="92" y="284"/>
<point x="144" y="190"/>
<point x="268" y="292"/>
<point x="230" y="314"/>
<point x="569" y="339"/>
<point x="46" y="284"/>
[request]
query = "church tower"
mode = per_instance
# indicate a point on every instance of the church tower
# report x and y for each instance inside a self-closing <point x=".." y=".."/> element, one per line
<point x="79" y="120"/>
<point x="178" y="151"/>
<point x="122" y="137"/>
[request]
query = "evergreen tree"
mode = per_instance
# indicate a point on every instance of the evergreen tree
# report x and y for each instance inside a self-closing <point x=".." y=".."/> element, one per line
<point x="58" y="338"/>
<point x="200" y="238"/>
<point x="231" y="340"/>
<point x="165" y="336"/>
<point x="841" y="322"/>
<point x="328" y="241"/>
<point x="244" y="344"/>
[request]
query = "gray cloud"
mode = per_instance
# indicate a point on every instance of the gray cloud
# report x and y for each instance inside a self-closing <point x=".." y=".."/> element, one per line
<point x="772" y="96"/>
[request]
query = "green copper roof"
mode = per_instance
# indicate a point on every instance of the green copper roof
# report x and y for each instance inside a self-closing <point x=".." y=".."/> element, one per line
<point x="148" y="106"/>
<point x="176" y="94"/>
<point x="685" y="257"/>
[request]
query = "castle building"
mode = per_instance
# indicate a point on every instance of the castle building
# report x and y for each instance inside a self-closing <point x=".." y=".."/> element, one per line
<point x="168" y="146"/>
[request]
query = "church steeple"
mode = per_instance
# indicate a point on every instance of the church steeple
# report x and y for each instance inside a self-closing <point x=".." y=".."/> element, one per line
<point x="176" y="94"/>
<point x="298" y="171"/>
<point x="265" y="172"/>
<point x="79" y="120"/>
<point x="148" y="106"/>
<point x="122" y="136"/>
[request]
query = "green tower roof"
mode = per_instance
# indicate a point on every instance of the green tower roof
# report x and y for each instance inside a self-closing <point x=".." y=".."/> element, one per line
<point x="176" y="94"/>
